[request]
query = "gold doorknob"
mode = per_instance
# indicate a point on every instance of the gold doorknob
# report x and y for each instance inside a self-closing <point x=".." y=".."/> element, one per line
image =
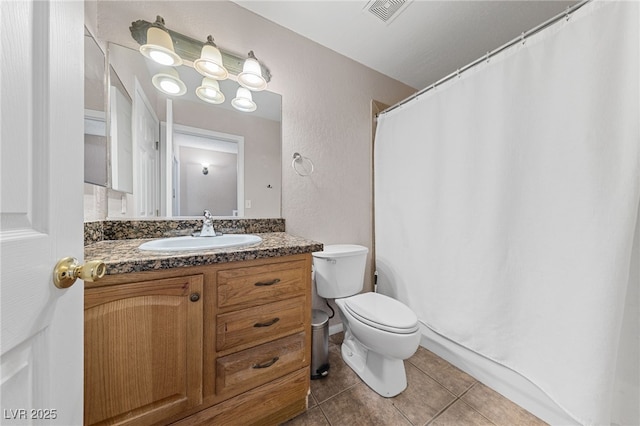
<point x="67" y="271"/>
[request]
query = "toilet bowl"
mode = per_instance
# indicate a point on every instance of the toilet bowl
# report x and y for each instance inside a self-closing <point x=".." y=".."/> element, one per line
<point x="379" y="332"/>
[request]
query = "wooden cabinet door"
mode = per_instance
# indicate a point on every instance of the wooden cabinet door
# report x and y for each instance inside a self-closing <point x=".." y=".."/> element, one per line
<point x="143" y="350"/>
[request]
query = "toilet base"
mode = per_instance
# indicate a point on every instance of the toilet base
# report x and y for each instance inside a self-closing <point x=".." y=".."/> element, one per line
<point x="385" y="376"/>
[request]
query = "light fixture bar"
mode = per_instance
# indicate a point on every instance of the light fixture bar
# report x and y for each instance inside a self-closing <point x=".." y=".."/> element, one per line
<point x="189" y="49"/>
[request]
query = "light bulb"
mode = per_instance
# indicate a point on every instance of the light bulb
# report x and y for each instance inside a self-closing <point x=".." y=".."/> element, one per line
<point x="159" y="46"/>
<point x="251" y="75"/>
<point x="243" y="100"/>
<point x="210" y="62"/>
<point x="169" y="86"/>
<point x="168" y="81"/>
<point x="161" y="57"/>
<point x="210" y="92"/>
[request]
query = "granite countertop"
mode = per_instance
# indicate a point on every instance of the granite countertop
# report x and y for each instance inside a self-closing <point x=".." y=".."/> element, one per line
<point x="123" y="256"/>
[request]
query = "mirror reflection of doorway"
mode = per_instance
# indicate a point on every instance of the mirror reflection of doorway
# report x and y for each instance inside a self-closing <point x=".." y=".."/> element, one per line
<point x="175" y="187"/>
<point x="146" y="155"/>
<point x="207" y="172"/>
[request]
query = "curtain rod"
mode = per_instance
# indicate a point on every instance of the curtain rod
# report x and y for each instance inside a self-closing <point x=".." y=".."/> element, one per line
<point x="489" y="55"/>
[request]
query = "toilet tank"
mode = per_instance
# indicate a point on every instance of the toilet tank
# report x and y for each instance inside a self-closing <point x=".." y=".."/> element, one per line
<point x="339" y="270"/>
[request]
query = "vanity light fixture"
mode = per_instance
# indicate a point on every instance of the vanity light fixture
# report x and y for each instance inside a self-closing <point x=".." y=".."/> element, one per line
<point x="243" y="100"/>
<point x="210" y="62"/>
<point x="210" y="92"/>
<point x="168" y="81"/>
<point x="159" y="46"/>
<point x="251" y="75"/>
<point x="171" y="48"/>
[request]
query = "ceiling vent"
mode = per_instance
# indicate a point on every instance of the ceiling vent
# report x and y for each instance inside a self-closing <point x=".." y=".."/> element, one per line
<point x="386" y="10"/>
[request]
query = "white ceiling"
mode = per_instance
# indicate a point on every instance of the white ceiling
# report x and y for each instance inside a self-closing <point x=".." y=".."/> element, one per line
<point x="426" y="41"/>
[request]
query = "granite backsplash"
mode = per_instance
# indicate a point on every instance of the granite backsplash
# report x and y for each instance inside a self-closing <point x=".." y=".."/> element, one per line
<point x="159" y="228"/>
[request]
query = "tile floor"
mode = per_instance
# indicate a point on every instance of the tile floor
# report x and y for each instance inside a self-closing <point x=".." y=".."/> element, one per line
<point x="437" y="394"/>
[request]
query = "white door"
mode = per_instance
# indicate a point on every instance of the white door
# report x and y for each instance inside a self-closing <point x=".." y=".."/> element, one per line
<point x="146" y="136"/>
<point x="41" y="210"/>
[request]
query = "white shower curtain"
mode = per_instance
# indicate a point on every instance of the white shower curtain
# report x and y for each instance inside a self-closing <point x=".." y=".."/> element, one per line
<point x="506" y="202"/>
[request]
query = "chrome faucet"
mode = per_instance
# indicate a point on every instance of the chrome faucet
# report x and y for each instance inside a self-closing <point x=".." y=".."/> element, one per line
<point x="207" y="225"/>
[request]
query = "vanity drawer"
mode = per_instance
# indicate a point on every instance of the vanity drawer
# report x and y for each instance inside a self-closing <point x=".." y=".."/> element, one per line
<point x="247" y="369"/>
<point x="260" y="324"/>
<point x="255" y="285"/>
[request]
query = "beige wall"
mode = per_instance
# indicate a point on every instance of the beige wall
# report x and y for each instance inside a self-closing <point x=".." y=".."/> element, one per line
<point x="326" y="109"/>
<point x="215" y="191"/>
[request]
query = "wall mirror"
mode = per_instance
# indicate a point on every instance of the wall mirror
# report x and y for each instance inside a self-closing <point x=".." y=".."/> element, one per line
<point x="95" y="119"/>
<point x="189" y="155"/>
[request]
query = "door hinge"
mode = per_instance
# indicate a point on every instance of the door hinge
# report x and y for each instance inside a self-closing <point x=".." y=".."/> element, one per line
<point x="157" y="145"/>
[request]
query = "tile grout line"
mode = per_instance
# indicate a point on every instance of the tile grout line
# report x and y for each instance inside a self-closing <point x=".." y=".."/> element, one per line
<point x="334" y="395"/>
<point x="439" y="413"/>
<point x="325" y="415"/>
<point x="481" y="415"/>
<point x="475" y="382"/>
<point x="443" y="385"/>
<point x="403" y="415"/>
<point x="457" y="398"/>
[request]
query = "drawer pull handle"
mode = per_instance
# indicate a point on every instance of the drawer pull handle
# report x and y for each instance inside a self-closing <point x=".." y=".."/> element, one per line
<point x="267" y="364"/>
<point x="267" y="323"/>
<point x="267" y="283"/>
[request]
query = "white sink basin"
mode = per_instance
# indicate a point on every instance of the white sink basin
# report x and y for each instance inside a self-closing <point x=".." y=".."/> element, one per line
<point x="200" y="243"/>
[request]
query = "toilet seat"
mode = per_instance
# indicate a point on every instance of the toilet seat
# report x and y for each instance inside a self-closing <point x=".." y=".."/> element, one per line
<point x="382" y="312"/>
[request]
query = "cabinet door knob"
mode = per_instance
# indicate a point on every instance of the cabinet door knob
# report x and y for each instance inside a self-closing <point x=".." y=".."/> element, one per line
<point x="267" y="283"/>
<point x="194" y="297"/>
<point x="267" y="364"/>
<point x="267" y="323"/>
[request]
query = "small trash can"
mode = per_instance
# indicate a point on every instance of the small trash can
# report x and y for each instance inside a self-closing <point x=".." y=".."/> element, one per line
<point x="319" y="344"/>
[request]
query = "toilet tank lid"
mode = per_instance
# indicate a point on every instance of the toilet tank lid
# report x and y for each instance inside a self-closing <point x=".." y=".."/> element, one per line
<point x="340" y="250"/>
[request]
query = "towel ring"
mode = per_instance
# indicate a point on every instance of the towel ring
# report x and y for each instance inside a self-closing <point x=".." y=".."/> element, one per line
<point x="303" y="166"/>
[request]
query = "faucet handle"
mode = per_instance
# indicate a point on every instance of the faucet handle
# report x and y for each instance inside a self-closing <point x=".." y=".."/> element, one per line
<point x="207" y="225"/>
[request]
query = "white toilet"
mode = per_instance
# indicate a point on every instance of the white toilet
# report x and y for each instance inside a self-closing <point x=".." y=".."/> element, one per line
<point x="379" y="332"/>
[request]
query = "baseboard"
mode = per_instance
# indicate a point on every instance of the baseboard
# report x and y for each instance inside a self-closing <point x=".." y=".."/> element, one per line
<point x="335" y="329"/>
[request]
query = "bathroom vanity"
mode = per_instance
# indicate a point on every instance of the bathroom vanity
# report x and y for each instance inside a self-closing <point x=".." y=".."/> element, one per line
<point x="209" y="337"/>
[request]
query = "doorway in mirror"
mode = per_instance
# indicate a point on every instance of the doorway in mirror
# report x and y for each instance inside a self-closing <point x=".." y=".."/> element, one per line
<point x="207" y="172"/>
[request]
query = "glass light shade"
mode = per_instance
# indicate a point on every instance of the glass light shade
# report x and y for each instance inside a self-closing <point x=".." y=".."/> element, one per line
<point x="159" y="48"/>
<point x="210" y="63"/>
<point x="251" y="75"/>
<point x="243" y="100"/>
<point x="168" y="82"/>
<point x="210" y="92"/>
